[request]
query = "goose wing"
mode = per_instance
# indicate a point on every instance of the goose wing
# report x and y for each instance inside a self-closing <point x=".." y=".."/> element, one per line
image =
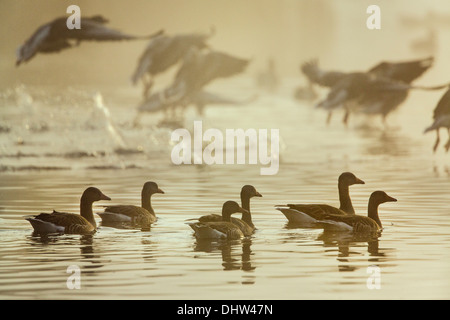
<point x="241" y="224"/>
<point x="95" y="30"/>
<point x="358" y="224"/>
<point x="127" y="210"/>
<point x="443" y="106"/>
<point x="317" y="211"/>
<point x="403" y="71"/>
<point x="33" y="45"/>
<point x="72" y="223"/>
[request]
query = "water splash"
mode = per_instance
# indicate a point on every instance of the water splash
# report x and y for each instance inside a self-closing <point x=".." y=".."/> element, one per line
<point x="24" y="99"/>
<point x="116" y="136"/>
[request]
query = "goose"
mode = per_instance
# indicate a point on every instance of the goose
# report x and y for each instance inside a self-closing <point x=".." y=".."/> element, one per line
<point x="163" y="52"/>
<point x="308" y="214"/>
<point x="197" y="70"/>
<point x="370" y="94"/>
<point x="223" y="229"/>
<point x="141" y="216"/>
<point x="69" y="223"/>
<point x="373" y="92"/>
<point x="55" y="36"/>
<point x="441" y="119"/>
<point x="245" y="223"/>
<point x="356" y="223"/>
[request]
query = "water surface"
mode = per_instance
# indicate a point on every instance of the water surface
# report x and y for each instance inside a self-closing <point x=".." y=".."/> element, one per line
<point x="57" y="141"/>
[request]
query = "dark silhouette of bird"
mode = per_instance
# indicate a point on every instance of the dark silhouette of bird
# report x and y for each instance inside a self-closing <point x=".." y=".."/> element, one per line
<point x="407" y="71"/>
<point x="380" y="90"/>
<point x="201" y="68"/>
<point x="441" y="118"/>
<point x="56" y="36"/>
<point x="197" y="70"/>
<point x="321" y="77"/>
<point x="162" y="53"/>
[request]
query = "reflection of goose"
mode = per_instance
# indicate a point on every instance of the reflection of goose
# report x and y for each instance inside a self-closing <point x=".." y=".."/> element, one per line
<point x="69" y="223"/>
<point x="441" y="118"/>
<point x="245" y="224"/>
<point x="230" y="262"/>
<point x="359" y="224"/>
<point x="142" y="216"/>
<point x="224" y="229"/>
<point x="56" y="36"/>
<point x="309" y="214"/>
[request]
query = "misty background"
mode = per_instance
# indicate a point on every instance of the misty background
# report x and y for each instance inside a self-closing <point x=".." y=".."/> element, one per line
<point x="289" y="31"/>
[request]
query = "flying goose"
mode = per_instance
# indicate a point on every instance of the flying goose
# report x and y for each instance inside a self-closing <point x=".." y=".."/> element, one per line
<point x="308" y="214"/>
<point x="141" y="216"/>
<point x="373" y="92"/>
<point x="245" y="223"/>
<point x="223" y="229"/>
<point x="55" y="36"/>
<point x="441" y="118"/>
<point x="162" y="53"/>
<point x="69" y="223"/>
<point x="356" y="223"/>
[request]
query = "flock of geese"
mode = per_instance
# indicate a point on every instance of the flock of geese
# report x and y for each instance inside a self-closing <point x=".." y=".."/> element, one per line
<point x="215" y="226"/>
<point x="377" y="91"/>
<point x="198" y="64"/>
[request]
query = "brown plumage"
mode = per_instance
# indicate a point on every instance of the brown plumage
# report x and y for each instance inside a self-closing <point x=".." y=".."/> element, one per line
<point x="69" y="223"/>
<point x="142" y="216"/>
<point x="245" y="223"/>
<point x="224" y="229"/>
<point x="307" y="214"/>
<point x="359" y="224"/>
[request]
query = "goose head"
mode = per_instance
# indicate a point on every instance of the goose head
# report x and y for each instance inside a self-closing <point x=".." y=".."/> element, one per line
<point x="348" y="179"/>
<point x="379" y="197"/>
<point x="93" y="194"/>
<point x="231" y="207"/>
<point x="150" y="188"/>
<point x="249" y="191"/>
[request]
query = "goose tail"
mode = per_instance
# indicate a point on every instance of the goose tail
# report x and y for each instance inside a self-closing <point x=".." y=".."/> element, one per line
<point x="295" y="216"/>
<point x="43" y="227"/>
<point x="202" y="231"/>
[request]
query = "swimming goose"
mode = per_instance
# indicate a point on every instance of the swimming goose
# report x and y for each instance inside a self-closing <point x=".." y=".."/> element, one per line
<point x="55" y="36"/>
<point x="441" y="119"/>
<point x="245" y="223"/>
<point x="308" y="214"/>
<point x="359" y="224"/>
<point x="141" y="216"/>
<point x="69" y="223"/>
<point x="223" y="229"/>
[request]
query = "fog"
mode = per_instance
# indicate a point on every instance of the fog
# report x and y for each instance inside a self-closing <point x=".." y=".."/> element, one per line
<point x="290" y="31"/>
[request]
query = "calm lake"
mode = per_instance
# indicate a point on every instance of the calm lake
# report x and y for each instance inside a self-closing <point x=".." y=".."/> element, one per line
<point x="55" y="142"/>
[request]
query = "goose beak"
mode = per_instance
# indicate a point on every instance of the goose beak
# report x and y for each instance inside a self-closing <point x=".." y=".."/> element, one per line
<point x="257" y="194"/>
<point x="159" y="191"/>
<point x="359" y="181"/>
<point x="390" y="199"/>
<point x="104" y="197"/>
<point x="242" y="210"/>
